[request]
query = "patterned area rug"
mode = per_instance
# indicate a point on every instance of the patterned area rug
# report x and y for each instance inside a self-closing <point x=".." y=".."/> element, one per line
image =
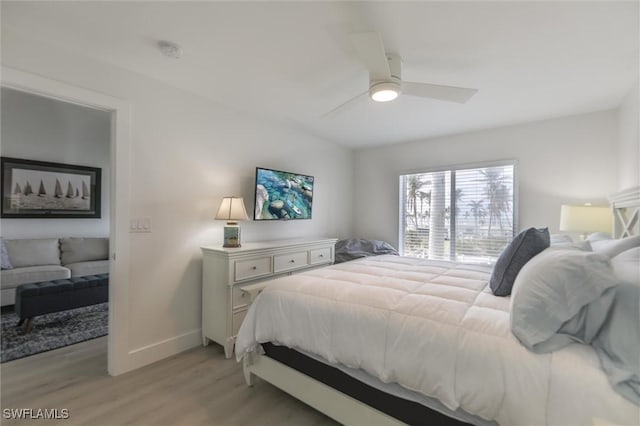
<point x="52" y="331"/>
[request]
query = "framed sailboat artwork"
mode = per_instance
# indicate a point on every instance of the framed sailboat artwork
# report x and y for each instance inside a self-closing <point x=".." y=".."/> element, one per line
<point x="39" y="189"/>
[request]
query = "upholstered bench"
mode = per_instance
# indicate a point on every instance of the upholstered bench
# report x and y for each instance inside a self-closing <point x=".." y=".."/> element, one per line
<point x="59" y="295"/>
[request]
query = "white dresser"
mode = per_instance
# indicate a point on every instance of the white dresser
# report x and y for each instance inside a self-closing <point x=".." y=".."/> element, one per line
<point x="226" y="270"/>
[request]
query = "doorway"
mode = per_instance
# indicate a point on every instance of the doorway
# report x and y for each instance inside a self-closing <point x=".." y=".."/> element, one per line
<point x="119" y="110"/>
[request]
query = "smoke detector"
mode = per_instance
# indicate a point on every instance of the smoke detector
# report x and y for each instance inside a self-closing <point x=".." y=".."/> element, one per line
<point x="170" y="49"/>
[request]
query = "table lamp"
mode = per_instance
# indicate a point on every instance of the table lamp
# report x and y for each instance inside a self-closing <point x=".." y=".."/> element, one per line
<point x="585" y="219"/>
<point x="232" y="210"/>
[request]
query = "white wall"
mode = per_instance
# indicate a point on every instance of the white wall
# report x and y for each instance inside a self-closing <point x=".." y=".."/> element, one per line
<point x="187" y="153"/>
<point x="629" y="139"/>
<point x="567" y="160"/>
<point x="44" y="129"/>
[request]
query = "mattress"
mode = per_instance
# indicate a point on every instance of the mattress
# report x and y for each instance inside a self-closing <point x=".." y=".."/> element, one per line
<point x="409" y="407"/>
<point x="433" y="328"/>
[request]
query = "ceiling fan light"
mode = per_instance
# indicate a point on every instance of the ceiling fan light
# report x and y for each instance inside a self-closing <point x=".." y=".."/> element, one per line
<point x="384" y="95"/>
<point x="384" y="92"/>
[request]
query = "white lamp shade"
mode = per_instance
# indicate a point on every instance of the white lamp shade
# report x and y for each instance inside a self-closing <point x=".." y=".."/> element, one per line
<point x="585" y="218"/>
<point x="232" y="209"/>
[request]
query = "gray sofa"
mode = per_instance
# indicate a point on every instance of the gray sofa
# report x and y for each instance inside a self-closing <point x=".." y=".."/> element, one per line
<point x="48" y="259"/>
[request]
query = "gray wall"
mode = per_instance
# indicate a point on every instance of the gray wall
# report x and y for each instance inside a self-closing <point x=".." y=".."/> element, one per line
<point x="43" y="129"/>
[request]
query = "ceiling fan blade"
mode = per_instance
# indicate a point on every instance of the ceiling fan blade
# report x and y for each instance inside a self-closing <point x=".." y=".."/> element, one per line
<point x="435" y="91"/>
<point x="344" y="104"/>
<point x="370" y="50"/>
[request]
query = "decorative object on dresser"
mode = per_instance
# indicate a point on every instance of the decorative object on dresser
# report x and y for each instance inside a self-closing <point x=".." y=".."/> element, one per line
<point x="227" y="270"/>
<point x="232" y="210"/>
<point x="39" y="189"/>
<point x="585" y="219"/>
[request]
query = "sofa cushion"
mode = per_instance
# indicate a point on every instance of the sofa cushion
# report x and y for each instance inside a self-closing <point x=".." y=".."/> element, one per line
<point x="11" y="278"/>
<point x="82" y="269"/>
<point x="76" y="250"/>
<point x="35" y="252"/>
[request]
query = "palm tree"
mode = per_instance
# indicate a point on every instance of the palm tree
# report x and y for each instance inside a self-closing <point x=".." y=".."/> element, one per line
<point x="498" y="195"/>
<point x="447" y="210"/>
<point x="424" y="196"/>
<point x="477" y="210"/>
<point x="414" y="184"/>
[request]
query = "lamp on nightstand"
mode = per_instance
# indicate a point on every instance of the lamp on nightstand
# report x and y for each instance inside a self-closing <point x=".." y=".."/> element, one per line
<point x="232" y="210"/>
<point x="585" y="219"/>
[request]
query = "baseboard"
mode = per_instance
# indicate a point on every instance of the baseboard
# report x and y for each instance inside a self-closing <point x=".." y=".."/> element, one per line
<point x="156" y="351"/>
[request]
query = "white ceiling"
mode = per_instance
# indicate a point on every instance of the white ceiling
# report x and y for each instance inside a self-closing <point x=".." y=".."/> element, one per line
<point x="292" y="61"/>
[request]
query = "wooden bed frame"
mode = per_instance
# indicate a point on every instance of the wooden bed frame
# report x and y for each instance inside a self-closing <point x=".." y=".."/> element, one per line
<point x="625" y="207"/>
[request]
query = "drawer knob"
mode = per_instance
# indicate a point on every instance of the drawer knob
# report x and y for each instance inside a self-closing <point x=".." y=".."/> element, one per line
<point x="322" y="255"/>
<point x="292" y="261"/>
<point x="253" y="268"/>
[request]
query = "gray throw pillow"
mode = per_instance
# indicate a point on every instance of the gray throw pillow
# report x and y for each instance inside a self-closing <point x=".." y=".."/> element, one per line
<point x="522" y="248"/>
<point x="6" y="262"/>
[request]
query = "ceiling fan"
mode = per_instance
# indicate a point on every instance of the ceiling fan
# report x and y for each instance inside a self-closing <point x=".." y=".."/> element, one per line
<point x="385" y="75"/>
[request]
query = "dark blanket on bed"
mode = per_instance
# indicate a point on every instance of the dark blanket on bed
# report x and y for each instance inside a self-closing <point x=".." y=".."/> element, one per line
<point x="355" y="248"/>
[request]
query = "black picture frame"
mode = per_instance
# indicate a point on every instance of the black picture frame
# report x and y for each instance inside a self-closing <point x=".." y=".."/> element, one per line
<point x="38" y="189"/>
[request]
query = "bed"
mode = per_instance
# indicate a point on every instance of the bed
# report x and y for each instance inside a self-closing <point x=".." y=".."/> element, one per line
<point x="395" y="340"/>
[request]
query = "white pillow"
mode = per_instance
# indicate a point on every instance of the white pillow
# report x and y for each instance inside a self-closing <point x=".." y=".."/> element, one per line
<point x="626" y="265"/>
<point x="560" y="296"/>
<point x="612" y="248"/>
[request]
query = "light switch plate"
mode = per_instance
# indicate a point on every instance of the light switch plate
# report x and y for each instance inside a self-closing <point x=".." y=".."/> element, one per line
<point x="140" y="224"/>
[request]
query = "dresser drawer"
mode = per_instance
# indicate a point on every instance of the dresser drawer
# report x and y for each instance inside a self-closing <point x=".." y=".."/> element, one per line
<point x="321" y="255"/>
<point x="236" y="321"/>
<point x="252" y="268"/>
<point x="239" y="298"/>
<point x="285" y="262"/>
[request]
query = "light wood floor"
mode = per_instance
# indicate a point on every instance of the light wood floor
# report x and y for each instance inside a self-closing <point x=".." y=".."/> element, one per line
<point x="196" y="387"/>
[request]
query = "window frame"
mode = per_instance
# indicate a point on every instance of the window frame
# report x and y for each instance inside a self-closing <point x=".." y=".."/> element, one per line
<point x="452" y="168"/>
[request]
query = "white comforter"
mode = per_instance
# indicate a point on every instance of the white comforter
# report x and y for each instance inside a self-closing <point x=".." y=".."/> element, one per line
<point x="435" y="328"/>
